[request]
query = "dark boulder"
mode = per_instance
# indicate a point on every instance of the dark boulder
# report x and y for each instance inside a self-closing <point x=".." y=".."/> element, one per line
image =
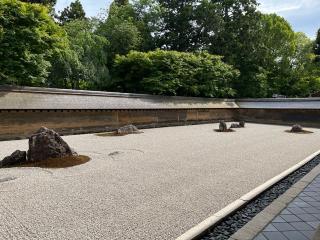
<point x="296" y="128"/>
<point x="15" y="158"/>
<point x="128" y="129"/>
<point x="46" y="144"/>
<point x="235" y="125"/>
<point x="242" y="124"/>
<point x="223" y="126"/>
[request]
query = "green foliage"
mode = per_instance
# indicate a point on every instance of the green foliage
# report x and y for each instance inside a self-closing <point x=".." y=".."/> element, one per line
<point x="270" y="56"/>
<point x="50" y="3"/>
<point x="28" y="37"/>
<point x="120" y="29"/>
<point x="73" y="12"/>
<point x="277" y="52"/>
<point x="317" y="47"/>
<point x="83" y="64"/>
<point x="174" y="73"/>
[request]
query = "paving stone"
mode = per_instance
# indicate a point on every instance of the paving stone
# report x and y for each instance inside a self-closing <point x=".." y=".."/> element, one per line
<point x="274" y="236"/>
<point x="285" y="227"/>
<point x="316" y="215"/>
<point x="314" y="203"/>
<point x="308" y="234"/>
<point x="285" y="211"/>
<point x="301" y="226"/>
<point x="301" y="204"/>
<point x="279" y="219"/>
<point x="307" y="217"/>
<point x="290" y="218"/>
<point x="295" y="235"/>
<point x="270" y="228"/>
<point x="260" y="237"/>
<point x="296" y="210"/>
<point x="315" y="224"/>
<point x="311" y="210"/>
<point x="307" y="199"/>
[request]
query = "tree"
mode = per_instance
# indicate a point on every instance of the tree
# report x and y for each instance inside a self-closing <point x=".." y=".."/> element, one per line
<point x="317" y="47"/>
<point x="50" y="3"/>
<point x="73" y="12"/>
<point x="66" y="70"/>
<point x="277" y="49"/>
<point x="91" y="50"/>
<point x="174" y="73"/>
<point x="120" y="29"/>
<point x="178" y="25"/>
<point x="121" y="2"/>
<point x="28" y="37"/>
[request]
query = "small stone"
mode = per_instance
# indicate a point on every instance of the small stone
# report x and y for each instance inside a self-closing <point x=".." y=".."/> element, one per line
<point x="235" y="125"/>
<point x="296" y="128"/>
<point x="15" y="158"/>
<point x="242" y="124"/>
<point x="128" y="129"/>
<point x="223" y="126"/>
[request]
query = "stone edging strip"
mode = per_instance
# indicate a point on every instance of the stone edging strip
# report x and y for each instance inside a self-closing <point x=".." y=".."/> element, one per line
<point x="208" y="223"/>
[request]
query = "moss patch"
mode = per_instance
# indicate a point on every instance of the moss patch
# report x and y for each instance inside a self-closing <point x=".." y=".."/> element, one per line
<point x="64" y="162"/>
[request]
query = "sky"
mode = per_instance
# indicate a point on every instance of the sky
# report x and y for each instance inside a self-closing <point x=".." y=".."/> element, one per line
<point x="303" y="15"/>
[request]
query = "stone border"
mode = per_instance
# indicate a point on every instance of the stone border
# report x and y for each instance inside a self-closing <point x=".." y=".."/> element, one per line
<point x="274" y="208"/>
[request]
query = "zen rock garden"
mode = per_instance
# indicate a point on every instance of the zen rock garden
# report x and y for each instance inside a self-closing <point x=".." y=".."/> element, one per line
<point x="44" y="144"/>
<point x="224" y="128"/>
<point x="296" y="128"/>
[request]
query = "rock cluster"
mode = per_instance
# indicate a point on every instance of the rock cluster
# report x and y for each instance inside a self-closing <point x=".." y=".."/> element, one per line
<point x="15" y="158"/>
<point x="296" y="128"/>
<point x="241" y="124"/>
<point x="43" y="144"/>
<point x="128" y="129"/>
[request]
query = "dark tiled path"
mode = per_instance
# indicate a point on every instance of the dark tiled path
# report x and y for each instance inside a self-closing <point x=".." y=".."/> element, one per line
<point x="299" y="220"/>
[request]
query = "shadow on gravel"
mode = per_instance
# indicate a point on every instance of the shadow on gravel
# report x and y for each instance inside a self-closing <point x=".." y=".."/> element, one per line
<point x="64" y="162"/>
<point x="302" y="132"/>
<point x="114" y="134"/>
<point x="228" y="131"/>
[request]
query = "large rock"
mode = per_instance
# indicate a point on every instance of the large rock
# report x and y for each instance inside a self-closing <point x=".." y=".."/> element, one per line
<point x="128" y="129"/>
<point x="296" y="128"/>
<point x="15" y="158"/>
<point x="45" y="144"/>
<point x="223" y="126"/>
<point x="242" y="124"/>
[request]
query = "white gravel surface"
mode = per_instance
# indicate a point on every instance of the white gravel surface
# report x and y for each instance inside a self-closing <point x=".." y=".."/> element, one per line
<point x="154" y="185"/>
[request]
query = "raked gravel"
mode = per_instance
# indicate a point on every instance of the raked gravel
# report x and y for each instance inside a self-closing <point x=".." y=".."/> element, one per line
<point x="154" y="185"/>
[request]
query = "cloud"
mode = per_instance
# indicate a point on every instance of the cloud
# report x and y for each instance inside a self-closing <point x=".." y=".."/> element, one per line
<point x="276" y="6"/>
<point x="301" y="14"/>
<point x="273" y="6"/>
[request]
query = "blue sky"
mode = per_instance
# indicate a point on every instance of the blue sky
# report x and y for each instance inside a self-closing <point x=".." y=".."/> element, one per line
<point x="303" y="15"/>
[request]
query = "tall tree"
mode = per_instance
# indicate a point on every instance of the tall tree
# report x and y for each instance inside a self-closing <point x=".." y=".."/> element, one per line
<point x="73" y="12"/>
<point x="51" y="3"/>
<point x="28" y="36"/>
<point x="277" y="48"/>
<point x="91" y="50"/>
<point x="178" y="24"/>
<point x="121" y="30"/>
<point x="121" y="2"/>
<point x="317" y="47"/>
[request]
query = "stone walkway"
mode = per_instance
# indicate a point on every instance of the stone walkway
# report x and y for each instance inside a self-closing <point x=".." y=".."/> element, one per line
<point x="299" y="220"/>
